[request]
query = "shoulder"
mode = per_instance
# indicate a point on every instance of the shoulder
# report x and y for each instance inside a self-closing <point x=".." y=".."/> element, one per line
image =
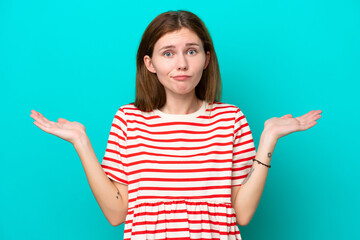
<point x="130" y="111"/>
<point x="227" y="110"/>
<point x="129" y="108"/>
<point x="223" y="107"/>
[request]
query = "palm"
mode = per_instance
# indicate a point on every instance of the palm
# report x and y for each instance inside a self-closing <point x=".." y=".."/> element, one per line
<point x="69" y="131"/>
<point x="287" y="124"/>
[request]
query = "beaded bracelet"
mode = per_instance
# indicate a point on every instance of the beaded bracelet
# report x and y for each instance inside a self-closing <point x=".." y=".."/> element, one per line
<point x="262" y="163"/>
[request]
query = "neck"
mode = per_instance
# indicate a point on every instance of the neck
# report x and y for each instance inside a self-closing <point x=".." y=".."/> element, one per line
<point x="181" y="105"/>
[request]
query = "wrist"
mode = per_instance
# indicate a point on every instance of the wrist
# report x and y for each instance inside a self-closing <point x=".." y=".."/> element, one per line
<point x="268" y="137"/>
<point x="81" y="141"/>
<point x="266" y="147"/>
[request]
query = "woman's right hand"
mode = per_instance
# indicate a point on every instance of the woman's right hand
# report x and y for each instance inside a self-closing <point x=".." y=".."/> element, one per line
<point x="69" y="131"/>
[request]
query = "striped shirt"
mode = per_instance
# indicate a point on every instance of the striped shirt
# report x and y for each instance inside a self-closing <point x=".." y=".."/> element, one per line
<point x="179" y="170"/>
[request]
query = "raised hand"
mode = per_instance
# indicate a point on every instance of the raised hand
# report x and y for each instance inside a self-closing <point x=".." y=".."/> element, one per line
<point x="69" y="131"/>
<point x="280" y="127"/>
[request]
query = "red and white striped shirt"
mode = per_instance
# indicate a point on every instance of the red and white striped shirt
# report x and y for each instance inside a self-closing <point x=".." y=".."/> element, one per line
<point x="179" y="170"/>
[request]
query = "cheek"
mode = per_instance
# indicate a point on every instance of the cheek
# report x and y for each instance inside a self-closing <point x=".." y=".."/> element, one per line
<point x="199" y="64"/>
<point x="163" y="67"/>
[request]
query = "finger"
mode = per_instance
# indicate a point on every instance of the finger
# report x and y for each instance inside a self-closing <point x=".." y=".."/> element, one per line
<point x="39" y="122"/>
<point x="286" y="116"/>
<point x="311" y="122"/>
<point x="314" y="116"/>
<point x="41" y="119"/>
<point x="317" y="115"/>
<point x="309" y="116"/>
<point x="36" y="117"/>
<point x="41" y="126"/>
<point x="310" y="125"/>
<point x="62" y="120"/>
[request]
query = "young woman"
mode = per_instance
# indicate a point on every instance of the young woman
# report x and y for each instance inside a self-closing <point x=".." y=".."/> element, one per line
<point x="179" y="163"/>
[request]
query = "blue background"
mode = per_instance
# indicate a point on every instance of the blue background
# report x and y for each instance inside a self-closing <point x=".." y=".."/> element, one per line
<point x="76" y="60"/>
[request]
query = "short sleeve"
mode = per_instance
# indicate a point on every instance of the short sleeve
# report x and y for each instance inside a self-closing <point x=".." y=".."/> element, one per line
<point x="243" y="149"/>
<point x="114" y="161"/>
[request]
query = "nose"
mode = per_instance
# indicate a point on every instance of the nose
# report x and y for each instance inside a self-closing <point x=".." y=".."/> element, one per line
<point x="182" y="63"/>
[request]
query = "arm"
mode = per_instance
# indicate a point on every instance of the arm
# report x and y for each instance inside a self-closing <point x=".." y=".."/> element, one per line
<point x="112" y="199"/>
<point x="245" y="198"/>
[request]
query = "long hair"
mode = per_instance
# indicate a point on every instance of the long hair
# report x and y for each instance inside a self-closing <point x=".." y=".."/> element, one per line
<point x="150" y="93"/>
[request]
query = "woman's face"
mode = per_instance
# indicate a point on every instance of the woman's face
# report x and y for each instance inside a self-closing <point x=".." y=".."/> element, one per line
<point x="178" y="60"/>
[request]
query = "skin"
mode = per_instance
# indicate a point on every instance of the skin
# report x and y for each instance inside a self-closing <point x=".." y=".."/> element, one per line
<point x="181" y="59"/>
<point x="186" y="56"/>
<point x="246" y="197"/>
<point x="277" y="127"/>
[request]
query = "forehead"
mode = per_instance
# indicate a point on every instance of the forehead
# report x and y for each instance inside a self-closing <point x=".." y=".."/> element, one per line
<point x="178" y="38"/>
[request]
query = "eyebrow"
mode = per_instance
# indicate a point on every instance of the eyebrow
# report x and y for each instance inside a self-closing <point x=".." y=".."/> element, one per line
<point x="172" y="46"/>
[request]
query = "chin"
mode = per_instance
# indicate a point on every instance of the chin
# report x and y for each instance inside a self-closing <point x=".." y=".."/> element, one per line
<point x="183" y="92"/>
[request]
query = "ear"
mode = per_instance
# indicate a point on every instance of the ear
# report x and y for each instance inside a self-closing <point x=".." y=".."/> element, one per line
<point x="148" y="64"/>
<point x="207" y="60"/>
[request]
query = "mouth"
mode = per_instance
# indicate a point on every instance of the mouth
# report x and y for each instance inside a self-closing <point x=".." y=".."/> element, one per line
<point x="181" y="77"/>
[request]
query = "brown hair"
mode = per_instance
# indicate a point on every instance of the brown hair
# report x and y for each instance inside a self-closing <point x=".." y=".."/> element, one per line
<point x="150" y="93"/>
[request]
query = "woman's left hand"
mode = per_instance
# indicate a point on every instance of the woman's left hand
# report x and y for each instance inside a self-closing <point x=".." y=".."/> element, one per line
<point x="280" y="127"/>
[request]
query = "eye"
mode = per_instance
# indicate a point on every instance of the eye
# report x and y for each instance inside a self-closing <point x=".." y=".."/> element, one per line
<point x="192" y="52"/>
<point x="167" y="54"/>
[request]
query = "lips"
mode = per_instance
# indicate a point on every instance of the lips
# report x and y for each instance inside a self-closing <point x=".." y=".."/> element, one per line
<point x="181" y="77"/>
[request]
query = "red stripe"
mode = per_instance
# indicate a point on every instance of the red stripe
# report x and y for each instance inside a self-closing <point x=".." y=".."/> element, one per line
<point x="181" y="139"/>
<point x="115" y="177"/>
<point x="181" y="123"/>
<point x="242" y="135"/>
<point x="183" y="211"/>
<point x="117" y="135"/>
<point x="210" y="204"/>
<point x="120" y="119"/>
<point x="239" y="177"/>
<point x="166" y="162"/>
<point x="244" y="151"/>
<point x="186" y="220"/>
<point x="132" y="107"/>
<point x="181" y="197"/>
<point x="187" y="238"/>
<point x="165" y="155"/>
<point x="116" y="126"/>
<point x="239" y="119"/>
<point x="113" y="160"/>
<point x="117" y="144"/>
<point x="242" y="168"/>
<point x="114" y="169"/>
<point x="181" y="230"/>
<point x="154" y="170"/>
<point x="180" y="131"/>
<point x="177" y="238"/>
<point x="215" y="115"/>
<point x="115" y="152"/>
<point x="243" y="143"/>
<point x="177" y="162"/>
<point x="182" y="238"/>
<point x="179" y="148"/>
<point x="242" y="160"/>
<point x="164" y="180"/>
<point x="222" y="107"/>
<point x="242" y="126"/>
<point x="178" y="156"/>
<point x="178" y="188"/>
<point x="141" y="116"/>
<point x="159" y="231"/>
